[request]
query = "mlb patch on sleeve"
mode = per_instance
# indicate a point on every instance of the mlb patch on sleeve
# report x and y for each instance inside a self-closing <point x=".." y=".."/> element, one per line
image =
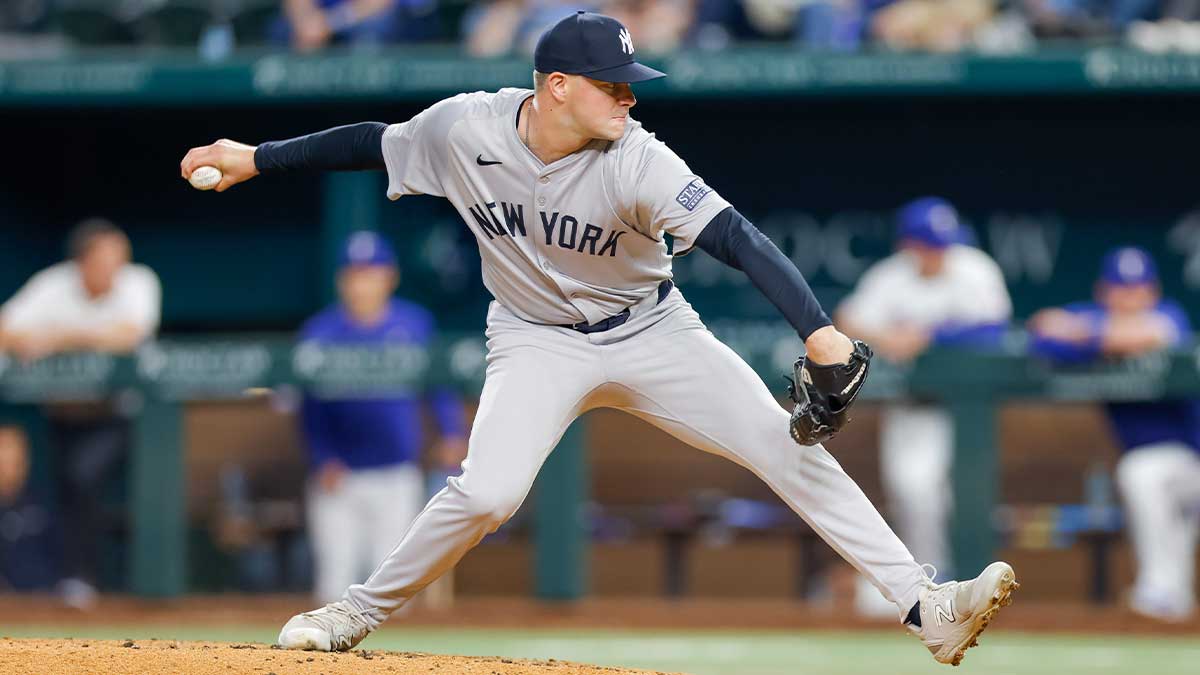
<point x="692" y="194"/>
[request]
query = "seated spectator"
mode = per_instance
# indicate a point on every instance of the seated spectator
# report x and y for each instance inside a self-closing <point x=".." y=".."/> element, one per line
<point x="311" y="25"/>
<point x="657" y="26"/>
<point x="718" y="24"/>
<point x="499" y="27"/>
<point x="366" y="486"/>
<point x="1087" y="18"/>
<point x="1176" y="27"/>
<point x="833" y="25"/>
<point x="1159" y="470"/>
<point x="935" y="291"/>
<point x="817" y="24"/>
<point x="97" y="301"/>
<point x="931" y="25"/>
<point x="22" y="16"/>
<point x="26" y="550"/>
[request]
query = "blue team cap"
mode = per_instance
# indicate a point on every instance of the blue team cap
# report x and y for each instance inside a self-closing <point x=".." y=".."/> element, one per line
<point x="1128" y="266"/>
<point x="931" y="221"/>
<point x="367" y="248"/>
<point x="590" y="44"/>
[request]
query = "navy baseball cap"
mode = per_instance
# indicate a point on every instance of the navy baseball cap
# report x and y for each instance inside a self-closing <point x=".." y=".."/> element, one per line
<point x="1128" y="266"/>
<point x="931" y="221"/>
<point x="590" y="44"/>
<point x="368" y="249"/>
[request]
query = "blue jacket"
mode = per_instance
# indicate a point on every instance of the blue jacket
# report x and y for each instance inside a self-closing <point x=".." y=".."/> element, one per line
<point x="1135" y="424"/>
<point x="365" y="433"/>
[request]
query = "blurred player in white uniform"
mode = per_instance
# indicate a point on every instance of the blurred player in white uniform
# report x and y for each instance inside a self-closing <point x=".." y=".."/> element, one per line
<point x="935" y="291"/>
<point x="96" y="301"/>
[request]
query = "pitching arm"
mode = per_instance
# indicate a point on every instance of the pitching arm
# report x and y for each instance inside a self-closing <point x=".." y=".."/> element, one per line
<point x="353" y="147"/>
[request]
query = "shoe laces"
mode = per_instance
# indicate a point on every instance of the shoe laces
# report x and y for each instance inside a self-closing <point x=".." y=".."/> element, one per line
<point x="944" y="588"/>
<point x="337" y="615"/>
<point x="931" y="573"/>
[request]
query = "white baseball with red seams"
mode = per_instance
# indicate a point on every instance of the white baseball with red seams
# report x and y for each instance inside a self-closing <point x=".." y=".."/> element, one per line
<point x="205" y="177"/>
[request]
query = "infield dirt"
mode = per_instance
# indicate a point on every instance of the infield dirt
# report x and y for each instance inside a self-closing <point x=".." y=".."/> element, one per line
<point x="134" y="657"/>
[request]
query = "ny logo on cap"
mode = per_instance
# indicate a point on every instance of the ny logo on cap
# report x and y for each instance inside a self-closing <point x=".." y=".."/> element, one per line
<point x="626" y="41"/>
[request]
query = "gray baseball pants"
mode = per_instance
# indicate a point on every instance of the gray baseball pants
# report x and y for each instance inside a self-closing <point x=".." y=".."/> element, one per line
<point x="664" y="367"/>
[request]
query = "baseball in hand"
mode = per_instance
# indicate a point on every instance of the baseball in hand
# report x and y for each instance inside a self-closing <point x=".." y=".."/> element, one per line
<point x="205" y="177"/>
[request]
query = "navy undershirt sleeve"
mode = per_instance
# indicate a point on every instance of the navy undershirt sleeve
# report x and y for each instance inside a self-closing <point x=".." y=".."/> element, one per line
<point x="354" y="147"/>
<point x="735" y="241"/>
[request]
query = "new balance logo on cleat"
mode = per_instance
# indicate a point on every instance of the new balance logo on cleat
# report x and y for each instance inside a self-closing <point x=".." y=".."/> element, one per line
<point x="941" y="614"/>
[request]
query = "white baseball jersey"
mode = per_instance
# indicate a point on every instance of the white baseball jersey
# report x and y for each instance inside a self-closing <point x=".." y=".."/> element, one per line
<point x="578" y="239"/>
<point x="55" y="299"/>
<point x="969" y="291"/>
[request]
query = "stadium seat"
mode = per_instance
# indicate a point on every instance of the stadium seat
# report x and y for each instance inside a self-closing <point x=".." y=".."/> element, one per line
<point x="450" y="17"/>
<point x="252" y="19"/>
<point x="91" y="23"/>
<point x="174" y="23"/>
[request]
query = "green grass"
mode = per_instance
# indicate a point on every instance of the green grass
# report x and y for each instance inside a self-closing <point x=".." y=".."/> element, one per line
<point x="738" y="653"/>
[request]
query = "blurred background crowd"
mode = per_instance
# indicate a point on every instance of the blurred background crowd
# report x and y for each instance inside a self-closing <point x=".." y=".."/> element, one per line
<point x="497" y="27"/>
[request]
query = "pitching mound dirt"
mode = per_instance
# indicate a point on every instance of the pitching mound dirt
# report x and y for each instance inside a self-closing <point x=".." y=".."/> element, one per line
<point x="132" y="657"/>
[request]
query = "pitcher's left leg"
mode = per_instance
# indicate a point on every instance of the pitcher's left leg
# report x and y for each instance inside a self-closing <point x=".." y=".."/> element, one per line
<point x="717" y="403"/>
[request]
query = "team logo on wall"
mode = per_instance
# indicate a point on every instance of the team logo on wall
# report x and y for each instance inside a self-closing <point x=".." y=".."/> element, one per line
<point x="626" y="41"/>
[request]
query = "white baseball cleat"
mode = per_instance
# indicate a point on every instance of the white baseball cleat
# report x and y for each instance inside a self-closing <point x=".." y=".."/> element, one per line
<point x="336" y="627"/>
<point x="953" y="614"/>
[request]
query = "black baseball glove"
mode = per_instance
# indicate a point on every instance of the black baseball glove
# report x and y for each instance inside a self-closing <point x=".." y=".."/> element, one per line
<point x="823" y="395"/>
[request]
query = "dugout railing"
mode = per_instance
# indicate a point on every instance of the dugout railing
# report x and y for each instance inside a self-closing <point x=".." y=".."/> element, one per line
<point x="154" y="385"/>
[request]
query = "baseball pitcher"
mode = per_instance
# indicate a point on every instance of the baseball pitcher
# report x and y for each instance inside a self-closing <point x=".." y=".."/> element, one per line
<point x="569" y="199"/>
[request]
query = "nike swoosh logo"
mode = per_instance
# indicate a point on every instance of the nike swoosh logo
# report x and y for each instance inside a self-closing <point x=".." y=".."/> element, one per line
<point x="483" y="162"/>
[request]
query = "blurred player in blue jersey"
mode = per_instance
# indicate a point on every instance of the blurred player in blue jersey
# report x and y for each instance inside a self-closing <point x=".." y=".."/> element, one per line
<point x="366" y="482"/>
<point x="1159" y="470"/>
